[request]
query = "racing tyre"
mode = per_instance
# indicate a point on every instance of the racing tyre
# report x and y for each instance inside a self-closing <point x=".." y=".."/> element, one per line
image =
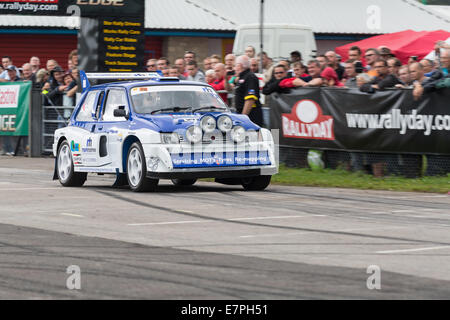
<point x="184" y="182"/>
<point x="256" y="183"/>
<point x="64" y="168"/>
<point x="137" y="170"/>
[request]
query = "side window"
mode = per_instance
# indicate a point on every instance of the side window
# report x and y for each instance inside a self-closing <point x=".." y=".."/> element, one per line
<point x="114" y="99"/>
<point x="99" y="105"/>
<point x="85" y="113"/>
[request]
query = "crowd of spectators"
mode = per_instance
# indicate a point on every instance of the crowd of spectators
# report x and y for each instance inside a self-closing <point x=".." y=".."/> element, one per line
<point x="234" y="78"/>
<point x="58" y="86"/>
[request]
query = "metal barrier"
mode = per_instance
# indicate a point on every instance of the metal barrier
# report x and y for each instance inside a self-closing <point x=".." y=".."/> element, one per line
<point x="53" y="117"/>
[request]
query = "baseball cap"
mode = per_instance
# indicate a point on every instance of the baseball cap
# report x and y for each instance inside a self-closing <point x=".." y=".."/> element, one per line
<point x="11" y="67"/>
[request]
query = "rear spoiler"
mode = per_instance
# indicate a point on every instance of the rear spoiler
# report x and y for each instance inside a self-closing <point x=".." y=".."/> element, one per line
<point x="85" y="77"/>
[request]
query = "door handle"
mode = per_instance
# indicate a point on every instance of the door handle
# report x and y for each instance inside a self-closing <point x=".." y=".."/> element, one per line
<point x="93" y="128"/>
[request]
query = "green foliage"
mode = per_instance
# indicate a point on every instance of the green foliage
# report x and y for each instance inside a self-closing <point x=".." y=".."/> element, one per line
<point x="358" y="180"/>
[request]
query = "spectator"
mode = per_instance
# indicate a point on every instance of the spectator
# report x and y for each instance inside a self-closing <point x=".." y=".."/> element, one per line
<point x="194" y="73"/>
<point x="6" y="62"/>
<point x="323" y="60"/>
<point x="355" y="53"/>
<point x="181" y="66"/>
<point x="215" y="59"/>
<point x="267" y="66"/>
<point x="428" y="66"/>
<point x="250" y="51"/>
<point x="151" y="65"/>
<point x="254" y="67"/>
<point x="247" y="91"/>
<point x="412" y="59"/>
<point x="333" y="63"/>
<point x="162" y="64"/>
<point x="69" y="90"/>
<point x="296" y="56"/>
<point x="394" y="65"/>
<point x="51" y="64"/>
<point x="382" y="81"/>
<point x="330" y="78"/>
<point x="27" y="73"/>
<point x="174" y="72"/>
<point x="219" y="82"/>
<point x="207" y="64"/>
<point x="210" y="76"/>
<point x="73" y="58"/>
<point x="56" y="87"/>
<point x="229" y="62"/>
<point x="350" y="72"/>
<point x="42" y="76"/>
<point x="12" y="73"/>
<point x="385" y="53"/>
<point x="300" y="71"/>
<point x="35" y="63"/>
<point x="165" y="71"/>
<point x="280" y="74"/>
<point x="315" y="79"/>
<point x="404" y="77"/>
<point x="371" y="56"/>
<point x="189" y="56"/>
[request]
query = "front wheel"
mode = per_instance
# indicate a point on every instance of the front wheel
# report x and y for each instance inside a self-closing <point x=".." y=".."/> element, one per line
<point x="256" y="183"/>
<point x="137" y="170"/>
<point x="64" y="167"/>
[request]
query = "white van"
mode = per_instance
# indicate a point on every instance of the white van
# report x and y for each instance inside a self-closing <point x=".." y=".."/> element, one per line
<point x="279" y="40"/>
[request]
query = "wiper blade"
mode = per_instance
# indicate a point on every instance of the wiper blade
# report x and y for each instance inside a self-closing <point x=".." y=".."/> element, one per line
<point x="209" y="107"/>
<point x="175" y="109"/>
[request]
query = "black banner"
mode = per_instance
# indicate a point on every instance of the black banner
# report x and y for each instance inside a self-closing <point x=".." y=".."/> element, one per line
<point x="85" y="8"/>
<point x="347" y="119"/>
<point x="121" y="44"/>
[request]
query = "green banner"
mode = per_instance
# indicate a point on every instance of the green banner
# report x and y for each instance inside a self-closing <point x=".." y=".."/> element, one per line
<point x="14" y="108"/>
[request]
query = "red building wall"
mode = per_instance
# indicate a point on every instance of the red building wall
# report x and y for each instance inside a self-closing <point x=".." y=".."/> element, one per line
<point x="21" y="47"/>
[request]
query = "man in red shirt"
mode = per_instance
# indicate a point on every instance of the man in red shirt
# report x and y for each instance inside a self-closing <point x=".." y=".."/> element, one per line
<point x="219" y="83"/>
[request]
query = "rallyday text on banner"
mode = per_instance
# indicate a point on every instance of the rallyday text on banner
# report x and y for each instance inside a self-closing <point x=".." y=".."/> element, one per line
<point x="347" y="119"/>
<point x="14" y="108"/>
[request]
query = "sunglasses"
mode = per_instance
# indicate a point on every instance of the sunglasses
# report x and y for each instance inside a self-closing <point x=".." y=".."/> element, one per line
<point x="151" y="65"/>
<point x="369" y="55"/>
<point x="279" y="72"/>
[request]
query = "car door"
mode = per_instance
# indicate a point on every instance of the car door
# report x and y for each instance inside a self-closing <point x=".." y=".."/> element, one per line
<point x="85" y="123"/>
<point x="112" y="130"/>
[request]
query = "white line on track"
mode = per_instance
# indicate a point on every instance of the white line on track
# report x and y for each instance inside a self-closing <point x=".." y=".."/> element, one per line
<point x="414" y="250"/>
<point x="209" y="221"/>
<point x="71" y="215"/>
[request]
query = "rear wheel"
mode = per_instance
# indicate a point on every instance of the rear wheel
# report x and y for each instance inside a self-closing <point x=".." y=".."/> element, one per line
<point x="184" y="182"/>
<point x="65" y="169"/>
<point x="137" y="170"/>
<point x="256" y="183"/>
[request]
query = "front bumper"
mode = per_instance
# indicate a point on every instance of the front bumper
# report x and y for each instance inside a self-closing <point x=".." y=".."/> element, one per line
<point x="222" y="173"/>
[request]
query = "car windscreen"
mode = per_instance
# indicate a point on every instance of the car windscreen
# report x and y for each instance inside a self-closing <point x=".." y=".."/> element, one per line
<point x="174" y="98"/>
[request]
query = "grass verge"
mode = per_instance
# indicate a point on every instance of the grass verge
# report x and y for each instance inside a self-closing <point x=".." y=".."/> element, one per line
<point x="358" y="180"/>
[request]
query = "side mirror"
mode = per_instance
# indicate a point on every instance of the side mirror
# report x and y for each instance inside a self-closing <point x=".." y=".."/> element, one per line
<point x="121" y="112"/>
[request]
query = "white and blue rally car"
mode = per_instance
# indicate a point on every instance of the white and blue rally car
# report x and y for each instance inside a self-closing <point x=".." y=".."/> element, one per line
<point x="160" y="128"/>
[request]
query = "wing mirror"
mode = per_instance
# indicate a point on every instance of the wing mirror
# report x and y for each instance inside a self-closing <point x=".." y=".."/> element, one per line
<point x="121" y="112"/>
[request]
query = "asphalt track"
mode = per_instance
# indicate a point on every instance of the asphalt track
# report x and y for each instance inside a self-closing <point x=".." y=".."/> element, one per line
<point x="212" y="241"/>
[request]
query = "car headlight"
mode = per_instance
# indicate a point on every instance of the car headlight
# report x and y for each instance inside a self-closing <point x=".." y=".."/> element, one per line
<point x="194" y="134"/>
<point x="224" y="123"/>
<point x="170" y="138"/>
<point x="208" y="124"/>
<point x="238" y="134"/>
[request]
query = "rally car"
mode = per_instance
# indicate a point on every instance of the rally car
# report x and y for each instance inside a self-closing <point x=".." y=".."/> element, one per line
<point x="144" y="127"/>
